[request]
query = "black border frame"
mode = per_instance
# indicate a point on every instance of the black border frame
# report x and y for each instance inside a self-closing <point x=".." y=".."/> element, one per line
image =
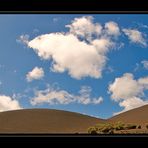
<point x="73" y="7"/>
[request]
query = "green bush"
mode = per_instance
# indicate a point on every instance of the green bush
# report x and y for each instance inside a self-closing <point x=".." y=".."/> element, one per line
<point x="105" y="128"/>
<point x="110" y="128"/>
<point x="92" y="130"/>
<point x="119" y="126"/>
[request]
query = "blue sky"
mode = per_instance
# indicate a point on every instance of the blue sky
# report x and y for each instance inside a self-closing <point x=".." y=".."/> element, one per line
<point x="91" y="64"/>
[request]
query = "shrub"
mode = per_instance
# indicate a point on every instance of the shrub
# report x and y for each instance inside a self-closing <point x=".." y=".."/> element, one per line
<point x="119" y="126"/>
<point x="108" y="128"/>
<point x="92" y="130"/>
<point x="105" y="128"/>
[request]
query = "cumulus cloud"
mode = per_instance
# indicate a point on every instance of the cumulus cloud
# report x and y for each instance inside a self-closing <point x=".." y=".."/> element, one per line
<point x="86" y="43"/>
<point x="128" y="91"/>
<point x="135" y="36"/>
<point x="7" y="103"/>
<point x="36" y="74"/>
<point x="68" y="52"/>
<point x="145" y="64"/>
<point x="85" y="27"/>
<point x="112" y="28"/>
<point x="124" y="87"/>
<point x="57" y="96"/>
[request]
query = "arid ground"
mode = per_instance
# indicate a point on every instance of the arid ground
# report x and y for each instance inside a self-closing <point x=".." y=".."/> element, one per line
<point x="58" y="121"/>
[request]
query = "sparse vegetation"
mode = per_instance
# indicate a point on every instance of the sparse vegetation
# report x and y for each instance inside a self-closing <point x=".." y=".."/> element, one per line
<point x="101" y="129"/>
<point x="119" y="126"/>
<point x="105" y="128"/>
<point x="92" y="130"/>
<point x="110" y="128"/>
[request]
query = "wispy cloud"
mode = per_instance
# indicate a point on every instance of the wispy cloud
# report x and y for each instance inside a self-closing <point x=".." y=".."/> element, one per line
<point x="24" y="38"/>
<point x="145" y="64"/>
<point x="137" y="67"/>
<point x="135" y="36"/>
<point x="57" y="96"/>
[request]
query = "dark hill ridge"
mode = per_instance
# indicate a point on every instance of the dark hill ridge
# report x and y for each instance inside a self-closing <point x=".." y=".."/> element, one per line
<point x="45" y="121"/>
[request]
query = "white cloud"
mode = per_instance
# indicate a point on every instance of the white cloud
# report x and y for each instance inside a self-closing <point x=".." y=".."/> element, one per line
<point x="57" y="96"/>
<point x="36" y="74"/>
<point x="85" y="27"/>
<point x="135" y="36"/>
<point x="112" y="28"/>
<point x="137" y="67"/>
<point x="145" y="64"/>
<point x="103" y="45"/>
<point x="86" y="43"/>
<point x="18" y="96"/>
<point x="69" y="54"/>
<point x="7" y="103"/>
<point x="131" y="103"/>
<point x="128" y="91"/>
<point x="124" y="87"/>
<point x="142" y="25"/>
<point x="23" y="39"/>
<point x="143" y="82"/>
<point x="97" y="101"/>
<point x="110" y="69"/>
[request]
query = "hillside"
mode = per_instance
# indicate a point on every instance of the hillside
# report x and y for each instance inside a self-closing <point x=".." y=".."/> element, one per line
<point x="137" y="115"/>
<point x="59" y="121"/>
<point x="45" y="121"/>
